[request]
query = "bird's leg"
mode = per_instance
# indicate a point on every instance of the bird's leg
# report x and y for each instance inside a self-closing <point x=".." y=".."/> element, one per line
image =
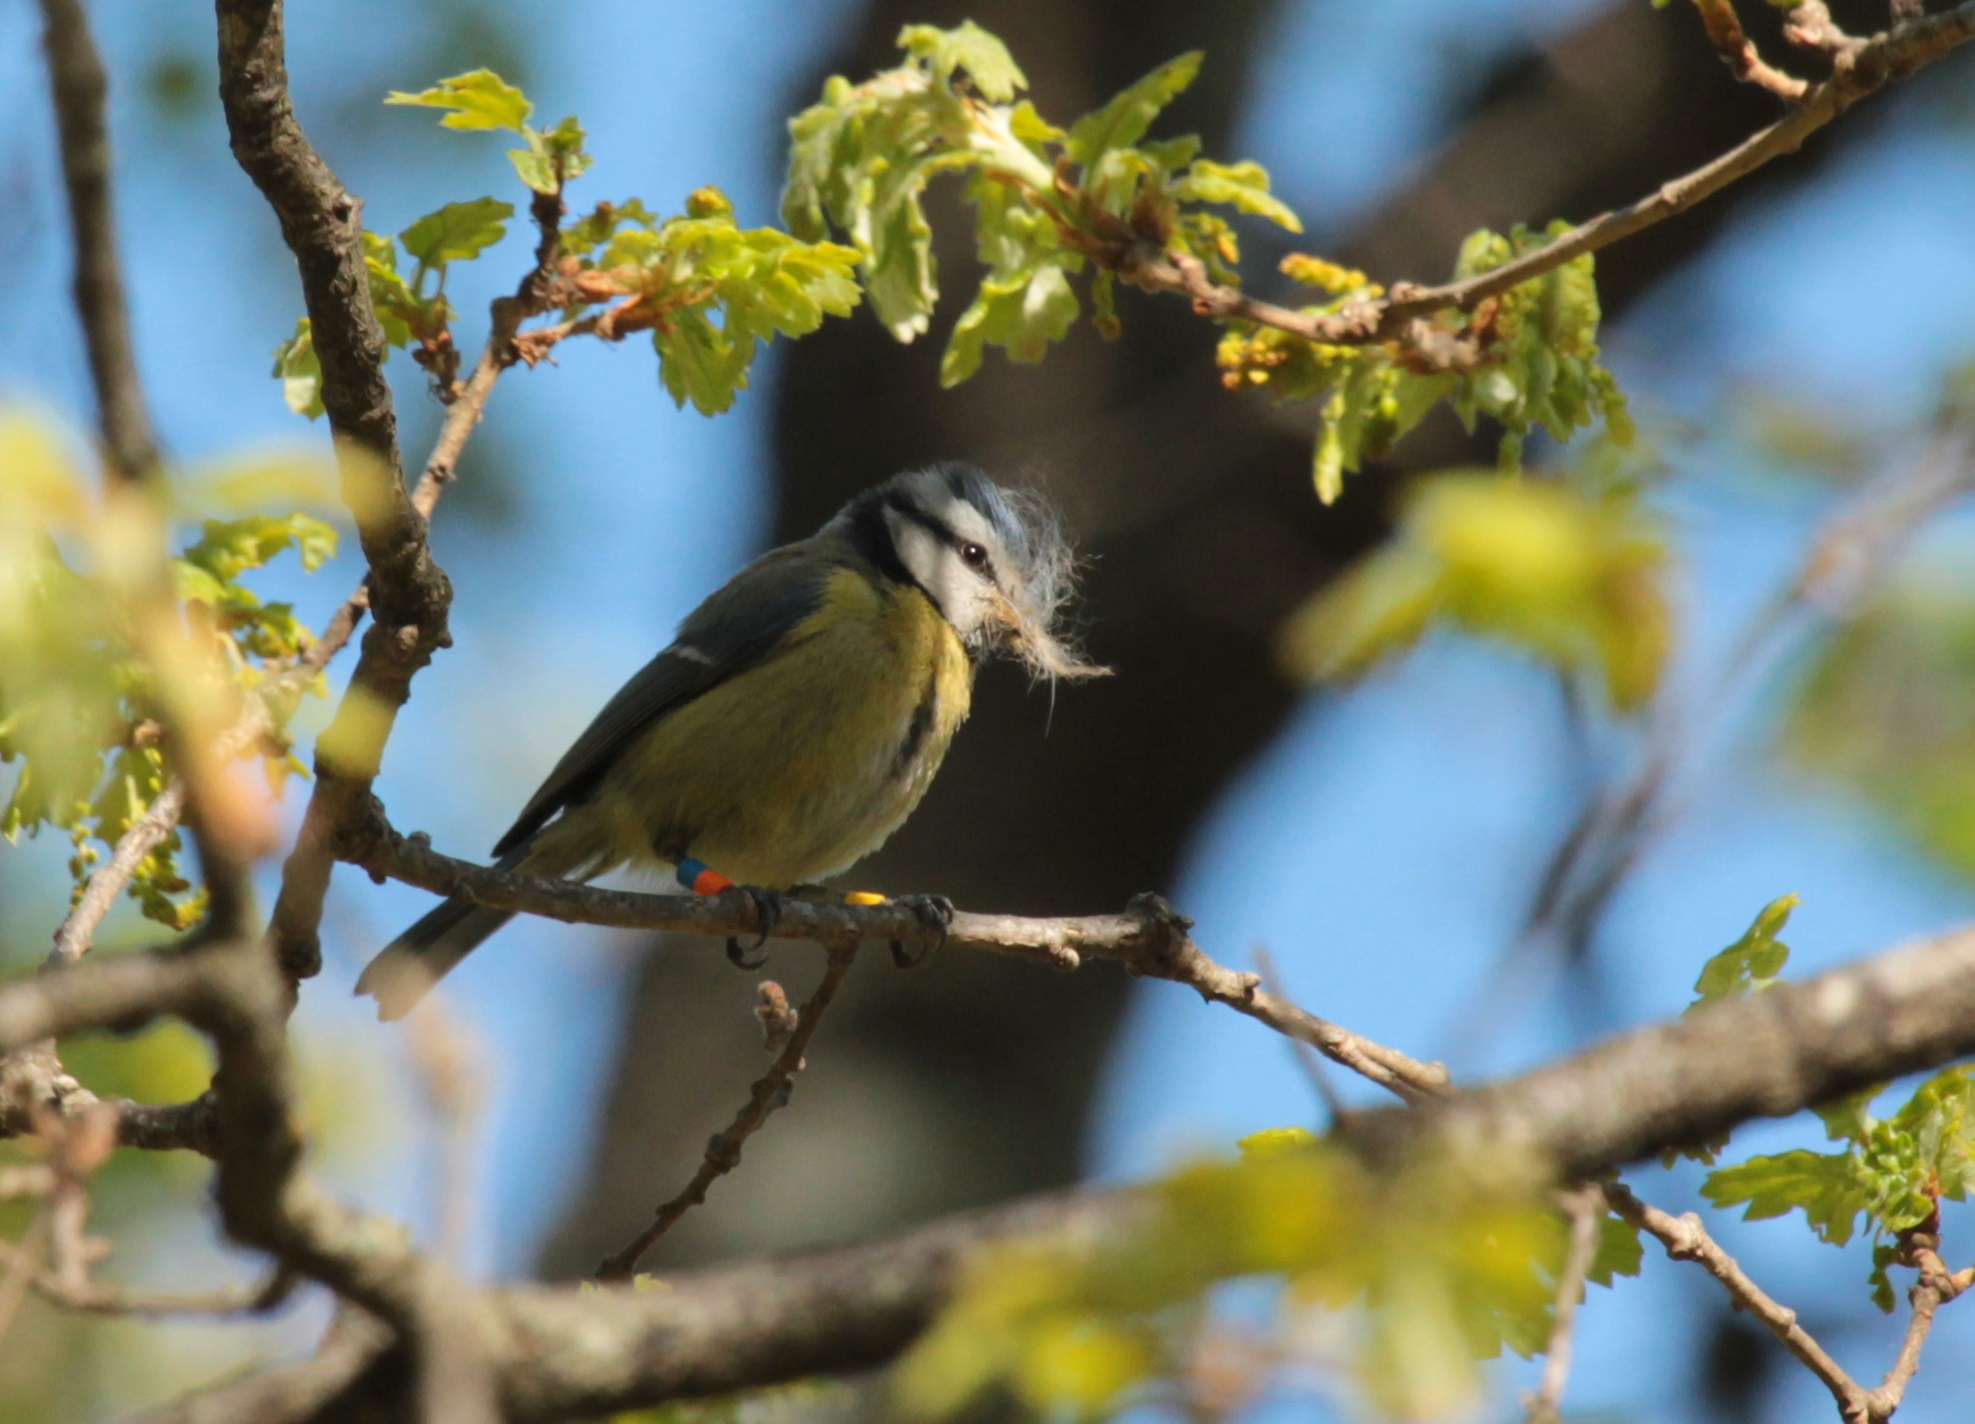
<point x="935" y="912"/>
<point x="702" y="879"/>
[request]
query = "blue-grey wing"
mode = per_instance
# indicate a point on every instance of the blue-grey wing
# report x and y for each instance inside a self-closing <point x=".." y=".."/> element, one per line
<point x="729" y="633"/>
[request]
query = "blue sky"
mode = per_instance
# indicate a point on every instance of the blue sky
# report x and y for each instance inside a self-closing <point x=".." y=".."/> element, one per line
<point x="1414" y="810"/>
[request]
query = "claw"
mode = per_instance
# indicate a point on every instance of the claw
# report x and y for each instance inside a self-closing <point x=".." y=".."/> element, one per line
<point x="767" y="913"/>
<point x="935" y="912"/>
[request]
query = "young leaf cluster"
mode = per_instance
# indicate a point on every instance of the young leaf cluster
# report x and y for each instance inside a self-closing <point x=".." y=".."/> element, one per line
<point x="710" y="292"/>
<point x="1050" y="203"/>
<point x="1751" y="963"/>
<point x="1527" y="359"/>
<point x="412" y="310"/>
<point x="1574" y="577"/>
<point x="482" y="100"/>
<point x="1893" y="1172"/>
<point x="78" y="701"/>
<point x="1445" y="1264"/>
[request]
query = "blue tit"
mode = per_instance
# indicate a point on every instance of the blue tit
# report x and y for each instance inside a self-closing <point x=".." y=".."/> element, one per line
<point x="799" y="714"/>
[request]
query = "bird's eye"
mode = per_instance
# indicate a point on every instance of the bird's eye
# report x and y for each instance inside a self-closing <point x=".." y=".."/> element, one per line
<point x="973" y="556"/>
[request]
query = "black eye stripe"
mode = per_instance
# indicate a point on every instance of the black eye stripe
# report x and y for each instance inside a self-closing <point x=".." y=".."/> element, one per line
<point x="943" y="532"/>
<point x="925" y="521"/>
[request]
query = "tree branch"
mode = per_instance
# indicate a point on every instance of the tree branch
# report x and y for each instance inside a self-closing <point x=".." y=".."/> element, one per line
<point x="81" y="89"/>
<point x="1681" y="1082"/>
<point x="1858" y="73"/>
<point x="1149" y="939"/>
<point x="322" y="224"/>
<point x="1935" y="1288"/>
<point x="408" y="594"/>
<point x="1848" y="556"/>
<point x="562" y="1354"/>
<point x="107" y="881"/>
<point x="1739" y="52"/>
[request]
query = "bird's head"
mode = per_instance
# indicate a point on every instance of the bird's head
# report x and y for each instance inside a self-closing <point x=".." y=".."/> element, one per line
<point x="993" y="561"/>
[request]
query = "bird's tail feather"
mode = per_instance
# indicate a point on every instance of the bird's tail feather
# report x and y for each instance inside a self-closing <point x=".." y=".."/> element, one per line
<point x="404" y="971"/>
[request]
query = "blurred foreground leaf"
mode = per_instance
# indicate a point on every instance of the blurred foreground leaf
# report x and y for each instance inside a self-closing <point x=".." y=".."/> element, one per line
<point x="1575" y="579"/>
<point x="1444" y="1264"/>
<point x="1888" y="711"/>
<point x="80" y="708"/>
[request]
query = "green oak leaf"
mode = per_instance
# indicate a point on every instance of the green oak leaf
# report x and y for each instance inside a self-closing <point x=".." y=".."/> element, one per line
<point x="1022" y="313"/>
<point x="1884" y="1254"/>
<point x="1123" y="120"/>
<point x="1243" y="186"/>
<point x="229" y="547"/>
<point x="390" y="296"/>
<point x="300" y="373"/>
<point x="552" y="158"/>
<point x="458" y="231"/>
<point x="969" y="47"/>
<point x="1537" y="565"/>
<point x="1848" y="1119"/>
<point x="1824" y="1186"/>
<point x="1753" y="961"/>
<point x="1940" y="1118"/>
<point x="698" y="362"/>
<point x="1619" y="1253"/>
<point x="479" y="99"/>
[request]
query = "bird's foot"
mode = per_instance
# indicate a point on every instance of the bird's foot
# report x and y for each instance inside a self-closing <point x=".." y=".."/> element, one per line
<point x="935" y="912"/>
<point x="700" y="878"/>
<point x="767" y="914"/>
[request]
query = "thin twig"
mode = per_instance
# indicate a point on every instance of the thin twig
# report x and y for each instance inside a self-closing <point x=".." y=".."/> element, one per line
<point x="723" y="1152"/>
<point x="1935" y="1288"/>
<point x="81" y="90"/>
<point x="1739" y="52"/>
<point x="107" y="881"/>
<point x="1858" y="72"/>
<point x="500" y="352"/>
<point x="1150" y="939"/>
<point x="1585" y="1208"/>
<point x="1686" y="1239"/>
<point x="1306" y="1057"/>
<point x="98" y="1298"/>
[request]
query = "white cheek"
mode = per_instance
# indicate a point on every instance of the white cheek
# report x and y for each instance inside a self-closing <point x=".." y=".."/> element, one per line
<point x="959" y="594"/>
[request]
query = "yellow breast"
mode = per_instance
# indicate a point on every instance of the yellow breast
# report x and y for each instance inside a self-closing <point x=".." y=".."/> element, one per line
<point x="808" y="762"/>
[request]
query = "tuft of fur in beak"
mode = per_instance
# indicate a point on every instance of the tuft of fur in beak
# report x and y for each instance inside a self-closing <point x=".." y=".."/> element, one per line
<point x="1030" y="616"/>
